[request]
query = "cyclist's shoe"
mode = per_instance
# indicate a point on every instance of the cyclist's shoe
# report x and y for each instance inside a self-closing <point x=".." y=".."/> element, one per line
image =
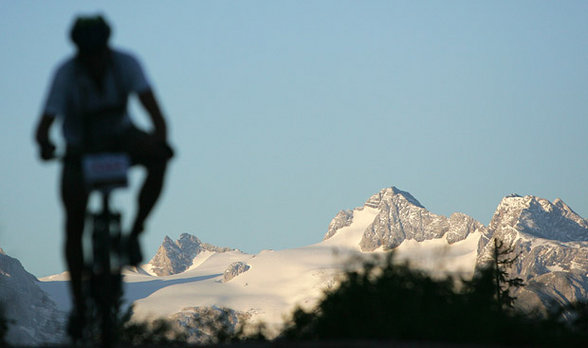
<point x="134" y="250"/>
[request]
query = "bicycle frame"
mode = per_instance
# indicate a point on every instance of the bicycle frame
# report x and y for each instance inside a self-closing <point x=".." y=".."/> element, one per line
<point x="103" y="173"/>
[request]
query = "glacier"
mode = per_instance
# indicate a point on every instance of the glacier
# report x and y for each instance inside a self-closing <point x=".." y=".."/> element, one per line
<point x="188" y="276"/>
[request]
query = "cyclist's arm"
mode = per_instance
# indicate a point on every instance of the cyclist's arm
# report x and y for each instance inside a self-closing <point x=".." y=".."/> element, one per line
<point x="42" y="132"/>
<point x="56" y="101"/>
<point x="150" y="104"/>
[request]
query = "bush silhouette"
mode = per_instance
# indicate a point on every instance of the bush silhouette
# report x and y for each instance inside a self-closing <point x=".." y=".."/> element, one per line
<point x="387" y="300"/>
<point x="3" y="327"/>
<point x="381" y="300"/>
<point x="155" y="332"/>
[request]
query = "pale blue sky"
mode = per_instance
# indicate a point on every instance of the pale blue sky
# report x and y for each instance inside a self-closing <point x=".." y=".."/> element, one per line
<point x="285" y="112"/>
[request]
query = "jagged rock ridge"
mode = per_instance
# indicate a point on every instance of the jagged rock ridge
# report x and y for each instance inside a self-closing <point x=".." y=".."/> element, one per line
<point x="401" y="217"/>
<point x="552" y="241"/>
<point x="176" y="257"/>
<point x="540" y="218"/>
<point x="551" y="238"/>
<point x="342" y="219"/>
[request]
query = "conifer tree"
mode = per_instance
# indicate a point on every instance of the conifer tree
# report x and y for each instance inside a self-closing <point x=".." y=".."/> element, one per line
<point x="503" y="283"/>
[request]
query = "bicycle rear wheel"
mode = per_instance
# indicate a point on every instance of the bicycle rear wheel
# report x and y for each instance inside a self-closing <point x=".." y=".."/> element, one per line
<point x="106" y="287"/>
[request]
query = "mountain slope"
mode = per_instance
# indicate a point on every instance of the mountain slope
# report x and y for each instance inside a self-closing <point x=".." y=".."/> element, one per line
<point x="271" y="283"/>
<point x="188" y="276"/>
<point x="35" y="318"/>
<point x="552" y="242"/>
<point x="176" y="257"/>
<point x="401" y="217"/>
<point x="393" y="219"/>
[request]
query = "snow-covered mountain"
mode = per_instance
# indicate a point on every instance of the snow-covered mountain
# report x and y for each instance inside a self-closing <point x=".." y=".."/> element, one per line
<point x="401" y="217"/>
<point x="394" y="220"/>
<point x="552" y="241"/>
<point x="267" y="286"/>
<point x="177" y="257"/>
<point x="187" y="277"/>
<point x="33" y="316"/>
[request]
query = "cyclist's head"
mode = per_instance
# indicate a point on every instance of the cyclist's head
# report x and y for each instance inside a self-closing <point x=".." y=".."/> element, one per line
<point x="90" y="34"/>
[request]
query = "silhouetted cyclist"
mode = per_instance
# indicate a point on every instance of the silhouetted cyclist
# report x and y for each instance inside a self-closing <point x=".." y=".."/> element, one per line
<point x="89" y="94"/>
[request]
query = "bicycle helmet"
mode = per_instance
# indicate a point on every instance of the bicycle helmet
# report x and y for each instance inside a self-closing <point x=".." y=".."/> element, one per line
<point x="90" y="34"/>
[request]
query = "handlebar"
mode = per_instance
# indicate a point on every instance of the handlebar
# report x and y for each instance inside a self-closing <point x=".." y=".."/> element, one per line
<point x="102" y="171"/>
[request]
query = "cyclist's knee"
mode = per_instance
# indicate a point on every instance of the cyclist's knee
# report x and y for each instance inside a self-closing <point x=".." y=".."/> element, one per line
<point x="156" y="167"/>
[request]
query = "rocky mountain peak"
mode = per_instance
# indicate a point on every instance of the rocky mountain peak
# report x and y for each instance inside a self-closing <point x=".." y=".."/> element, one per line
<point x="342" y="219"/>
<point x="400" y="216"/>
<point x="392" y="195"/>
<point x="174" y="257"/>
<point x="551" y="241"/>
<point x="538" y="217"/>
<point x="188" y="241"/>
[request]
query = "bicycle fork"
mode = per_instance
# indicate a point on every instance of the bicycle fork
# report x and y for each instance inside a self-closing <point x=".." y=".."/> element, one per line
<point x="105" y="281"/>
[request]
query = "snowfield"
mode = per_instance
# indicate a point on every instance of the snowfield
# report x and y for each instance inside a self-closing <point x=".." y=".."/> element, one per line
<point x="276" y="281"/>
<point x="268" y="286"/>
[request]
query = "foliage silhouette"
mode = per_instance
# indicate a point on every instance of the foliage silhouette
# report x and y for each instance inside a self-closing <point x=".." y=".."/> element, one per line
<point x="206" y="326"/>
<point x="3" y="327"/>
<point x="216" y="325"/>
<point x="387" y="300"/>
<point x="155" y="332"/>
<point x="503" y="283"/>
<point x="579" y="316"/>
<point x="129" y="332"/>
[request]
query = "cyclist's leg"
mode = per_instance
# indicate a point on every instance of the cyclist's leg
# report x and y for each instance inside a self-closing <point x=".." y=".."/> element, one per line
<point x="75" y="200"/>
<point x="148" y="151"/>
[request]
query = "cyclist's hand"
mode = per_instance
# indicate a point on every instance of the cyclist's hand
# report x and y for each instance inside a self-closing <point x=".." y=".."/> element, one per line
<point x="168" y="151"/>
<point x="47" y="151"/>
<point x="160" y="135"/>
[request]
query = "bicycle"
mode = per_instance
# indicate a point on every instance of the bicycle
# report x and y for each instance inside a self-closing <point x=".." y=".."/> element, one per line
<point x="103" y="173"/>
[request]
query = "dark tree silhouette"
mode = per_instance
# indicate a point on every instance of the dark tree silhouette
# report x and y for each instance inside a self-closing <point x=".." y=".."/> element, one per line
<point x="385" y="300"/>
<point x="502" y="259"/>
<point x="3" y="327"/>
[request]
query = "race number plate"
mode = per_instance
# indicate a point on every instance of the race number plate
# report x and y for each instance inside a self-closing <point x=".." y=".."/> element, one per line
<point x="106" y="170"/>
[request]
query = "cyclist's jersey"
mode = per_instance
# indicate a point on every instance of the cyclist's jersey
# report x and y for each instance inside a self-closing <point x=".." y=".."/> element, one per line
<point x="84" y="108"/>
